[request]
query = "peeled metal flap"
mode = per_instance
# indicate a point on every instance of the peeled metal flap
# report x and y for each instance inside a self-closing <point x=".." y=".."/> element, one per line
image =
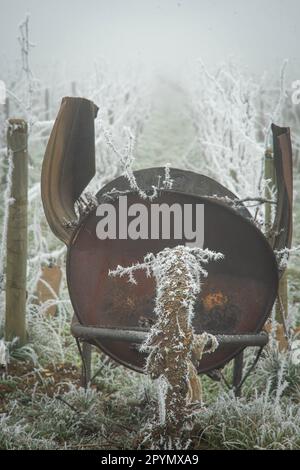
<point x="283" y="222"/>
<point x="69" y="162"/>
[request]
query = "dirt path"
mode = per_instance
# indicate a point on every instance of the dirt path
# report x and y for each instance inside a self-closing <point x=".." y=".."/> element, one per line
<point x="169" y="133"/>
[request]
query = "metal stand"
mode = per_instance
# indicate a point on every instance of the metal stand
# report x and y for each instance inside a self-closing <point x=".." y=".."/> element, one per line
<point x="238" y="378"/>
<point x="89" y="334"/>
<point x="238" y="373"/>
<point x="85" y="352"/>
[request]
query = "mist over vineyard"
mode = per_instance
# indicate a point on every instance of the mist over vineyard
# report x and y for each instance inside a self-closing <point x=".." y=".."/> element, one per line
<point x="198" y="91"/>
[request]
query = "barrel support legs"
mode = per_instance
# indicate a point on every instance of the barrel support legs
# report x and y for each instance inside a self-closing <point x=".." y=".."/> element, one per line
<point x="85" y="351"/>
<point x="238" y="373"/>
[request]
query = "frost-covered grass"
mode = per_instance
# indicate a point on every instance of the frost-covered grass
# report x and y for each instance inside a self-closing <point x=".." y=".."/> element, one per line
<point x="257" y="423"/>
<point x="41" y="403"/>
<point x="101" y="417"/>
<point x="114" y="411"/>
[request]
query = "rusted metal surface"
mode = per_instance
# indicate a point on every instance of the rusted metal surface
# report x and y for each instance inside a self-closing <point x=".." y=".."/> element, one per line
<point x="236" y="298"/>
<point x="283" y="223"/>
<point x="183" y="182"/>
<point x="69" y="163"/>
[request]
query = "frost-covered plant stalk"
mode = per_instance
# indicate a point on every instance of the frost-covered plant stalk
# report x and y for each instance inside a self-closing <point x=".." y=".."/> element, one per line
<point x="171" y="343"/>
<point x="127" y="159"/>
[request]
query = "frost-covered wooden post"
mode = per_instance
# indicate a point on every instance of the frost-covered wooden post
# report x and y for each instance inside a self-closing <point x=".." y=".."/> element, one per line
<point x="270" y="178"/>
<point x="172" y="346"/>
<point x="7" y="108"/>
<point x="282" y="303"/>
<point x="16" y="243"/>
<point x="272" y="183"/>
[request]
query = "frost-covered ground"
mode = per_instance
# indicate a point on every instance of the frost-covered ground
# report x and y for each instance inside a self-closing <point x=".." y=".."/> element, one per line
<point x="214" y="123"/>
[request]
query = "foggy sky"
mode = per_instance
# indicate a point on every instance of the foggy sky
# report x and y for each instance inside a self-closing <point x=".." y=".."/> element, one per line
<point x="168" y="33"/>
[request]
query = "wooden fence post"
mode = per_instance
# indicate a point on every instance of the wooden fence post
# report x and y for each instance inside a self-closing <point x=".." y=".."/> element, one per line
<point x="283" y="284"/>
<point x="16" y="244"/>
<point x="283" y="301"/>
<point x="7" y="108"/>
<point x="270" y="176"/>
